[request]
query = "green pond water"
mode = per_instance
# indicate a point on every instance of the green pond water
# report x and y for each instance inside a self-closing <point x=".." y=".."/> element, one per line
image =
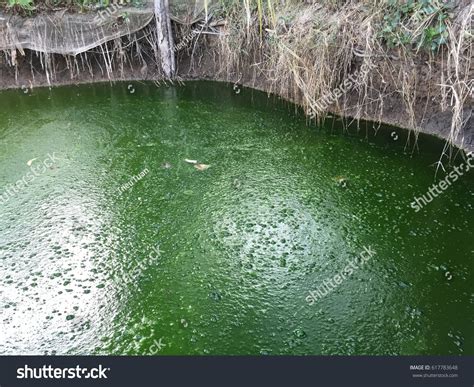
<point x="116" y="245"/>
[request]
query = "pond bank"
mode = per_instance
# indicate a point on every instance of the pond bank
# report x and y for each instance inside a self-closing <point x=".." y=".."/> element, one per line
<point x="436" y="124"/>
<point x="422" y="92"/>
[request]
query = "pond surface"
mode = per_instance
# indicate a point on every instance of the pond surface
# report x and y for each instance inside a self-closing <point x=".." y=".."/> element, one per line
<point x="113" y="244"/>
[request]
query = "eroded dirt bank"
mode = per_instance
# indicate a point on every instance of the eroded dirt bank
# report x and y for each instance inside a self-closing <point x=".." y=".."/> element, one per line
<point x="433" y="120"/>
<point x="418" y="91"/>
<point x="429" y="117"/>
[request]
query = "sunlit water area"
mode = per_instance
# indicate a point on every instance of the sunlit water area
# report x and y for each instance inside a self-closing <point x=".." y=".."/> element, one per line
<point x="113" y="243"/>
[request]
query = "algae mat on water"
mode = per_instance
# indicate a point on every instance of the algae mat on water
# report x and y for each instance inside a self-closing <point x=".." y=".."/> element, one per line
<point x="112" y="243"/>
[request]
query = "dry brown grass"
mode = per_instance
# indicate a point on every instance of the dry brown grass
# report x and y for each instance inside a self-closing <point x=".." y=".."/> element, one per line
<point x="305" y="51"/>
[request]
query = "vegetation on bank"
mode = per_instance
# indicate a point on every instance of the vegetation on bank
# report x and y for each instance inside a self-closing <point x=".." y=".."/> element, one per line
<point x="305" y="50"/>
<point x="31" y="7"/>
<point x="422" y="23"/>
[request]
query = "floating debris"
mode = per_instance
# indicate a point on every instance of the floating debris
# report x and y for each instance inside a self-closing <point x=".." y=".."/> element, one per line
<point x="29" y="162"/>
<point x="166" y="165"/>
<point x="201" y="167"/>
<point x="341" y="181"/>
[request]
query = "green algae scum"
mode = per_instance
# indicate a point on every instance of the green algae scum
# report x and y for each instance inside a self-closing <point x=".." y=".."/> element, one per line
<point x="201" y="219"/>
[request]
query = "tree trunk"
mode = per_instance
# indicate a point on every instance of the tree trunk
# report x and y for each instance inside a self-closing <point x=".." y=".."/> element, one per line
<point x="165" y="37"/>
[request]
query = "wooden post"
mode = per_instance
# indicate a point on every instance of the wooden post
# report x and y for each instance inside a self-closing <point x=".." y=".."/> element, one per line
<point x="165" y="37"/>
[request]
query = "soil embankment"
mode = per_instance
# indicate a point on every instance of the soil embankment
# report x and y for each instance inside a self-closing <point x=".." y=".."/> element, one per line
<point x="392" y="90"/>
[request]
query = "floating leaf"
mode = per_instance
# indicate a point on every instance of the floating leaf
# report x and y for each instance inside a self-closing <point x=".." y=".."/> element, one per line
<point x="201" y="167"/>
<point x="29" y="162"/>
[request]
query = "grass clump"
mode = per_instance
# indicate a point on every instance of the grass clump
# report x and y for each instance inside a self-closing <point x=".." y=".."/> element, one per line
<point x="21" y="6"/>
<point x="422" y="24"/>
